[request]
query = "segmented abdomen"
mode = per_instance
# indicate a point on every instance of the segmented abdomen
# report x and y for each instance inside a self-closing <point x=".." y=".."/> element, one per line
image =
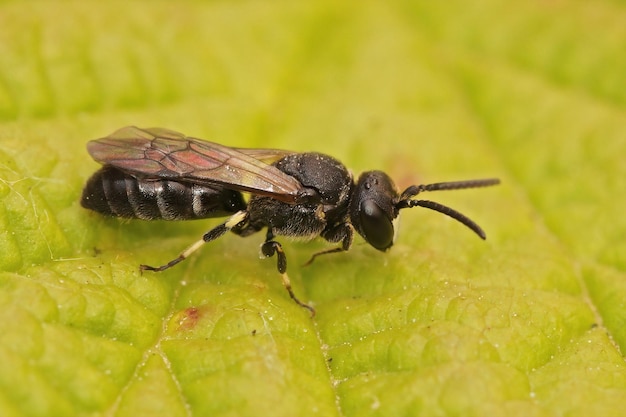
<point x="114" y="193"/>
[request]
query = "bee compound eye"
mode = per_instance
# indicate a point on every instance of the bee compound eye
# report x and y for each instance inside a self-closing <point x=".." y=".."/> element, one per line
<point x="376" y="226"/>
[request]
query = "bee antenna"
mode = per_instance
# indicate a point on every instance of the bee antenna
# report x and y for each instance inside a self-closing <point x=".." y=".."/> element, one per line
<point x="461" y="218"/>
<point x="414" y="190"/>
<point x="405" y="200"/>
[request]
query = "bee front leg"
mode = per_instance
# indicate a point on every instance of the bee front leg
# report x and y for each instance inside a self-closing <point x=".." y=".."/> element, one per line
<point x="216" y="232"/>
<point x="270" y="248"/>
<point x="341" y="233"/>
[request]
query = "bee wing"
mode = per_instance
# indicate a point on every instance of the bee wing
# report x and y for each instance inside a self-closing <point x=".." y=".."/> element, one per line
<point x="163" y="153"/>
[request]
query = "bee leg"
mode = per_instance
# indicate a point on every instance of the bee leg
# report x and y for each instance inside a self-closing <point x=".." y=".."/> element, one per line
<point x="216" y="232"/>
<point x="343" y="233"/>
<point x="320" y="253"/>
<point x="270" y="248"/>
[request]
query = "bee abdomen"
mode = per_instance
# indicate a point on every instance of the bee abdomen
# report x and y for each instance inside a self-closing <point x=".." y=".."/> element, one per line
<point x="114" y="193"/>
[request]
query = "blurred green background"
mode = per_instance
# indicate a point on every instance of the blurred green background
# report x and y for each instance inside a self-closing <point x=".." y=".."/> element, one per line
<point x="530" y="322"/>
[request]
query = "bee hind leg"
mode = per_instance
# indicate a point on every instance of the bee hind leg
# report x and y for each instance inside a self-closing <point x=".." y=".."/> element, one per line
<point x="216" y="232"/>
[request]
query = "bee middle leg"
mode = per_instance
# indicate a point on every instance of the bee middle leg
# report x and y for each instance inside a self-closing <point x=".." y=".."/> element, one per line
<point x="270" y="248"/>
<point x="218" y="231"/>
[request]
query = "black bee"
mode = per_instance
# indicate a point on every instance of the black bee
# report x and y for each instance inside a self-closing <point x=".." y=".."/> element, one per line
<point x="161" y="174"/>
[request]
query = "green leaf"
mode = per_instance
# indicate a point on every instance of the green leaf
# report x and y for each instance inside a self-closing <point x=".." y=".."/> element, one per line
<point x="529" y="322"/>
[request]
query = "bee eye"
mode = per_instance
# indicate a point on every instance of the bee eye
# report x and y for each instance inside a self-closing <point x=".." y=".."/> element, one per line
<point x="376" y="227"/>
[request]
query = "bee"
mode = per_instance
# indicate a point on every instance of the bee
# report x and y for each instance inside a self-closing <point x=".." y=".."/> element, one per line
<point x="158" y="173"/>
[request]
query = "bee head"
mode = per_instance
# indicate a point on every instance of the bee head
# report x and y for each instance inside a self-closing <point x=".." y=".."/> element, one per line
<point x="373" y="209"/>
<point x="376" y="203"/>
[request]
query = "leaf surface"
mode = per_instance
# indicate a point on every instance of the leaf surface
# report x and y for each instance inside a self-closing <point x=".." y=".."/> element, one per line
<point x="530" y="322"/>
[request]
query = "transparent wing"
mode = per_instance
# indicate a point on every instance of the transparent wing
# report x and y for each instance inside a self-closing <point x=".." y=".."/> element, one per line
<point x="163" y="153"/>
